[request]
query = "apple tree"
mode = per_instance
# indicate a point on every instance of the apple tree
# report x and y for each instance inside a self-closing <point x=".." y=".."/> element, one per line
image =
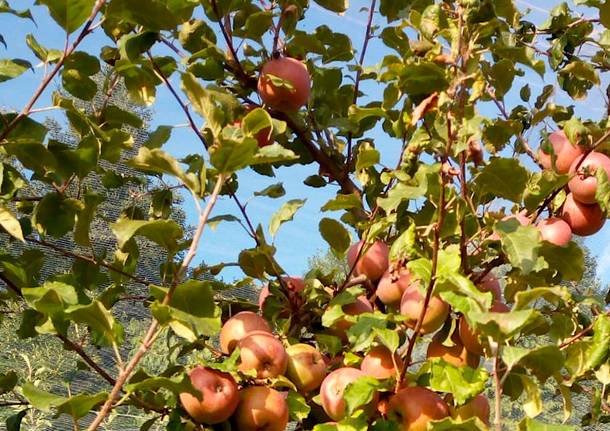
<point x="460" y="246"/>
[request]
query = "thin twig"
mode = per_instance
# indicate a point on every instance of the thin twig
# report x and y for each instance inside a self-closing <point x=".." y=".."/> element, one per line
<point x="153" y="330"/>
<point x="367" y="38"/>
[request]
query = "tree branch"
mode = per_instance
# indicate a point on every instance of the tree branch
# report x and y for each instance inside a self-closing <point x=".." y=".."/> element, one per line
<point x="153" y="330"/>
<point x="69" y="49"/>
<point x="90" y="259"/>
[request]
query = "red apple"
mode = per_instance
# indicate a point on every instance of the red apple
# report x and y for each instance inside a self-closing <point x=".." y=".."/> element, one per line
<point x="306" y="367"/>
<point x="564" y="151"/>
<point x="219" y="396"/>
<point x="378" y="363"/>
<point x="261" y="408"/>
<point x="456" y="355"/>
<point x="238" y="326"/>
<point x="583" y="184"/>
<point x="555" y="231"/>
<point x="392" y="286"/>
<point x="411" y="306"/>
<point x="333" y="386"/>
<point x="373" y="261"/>
<point x="261" y="351"/>
<point x="584" y="220"/>
<point x="414" y="408"/>
<point x="477" y="407"/>
<point x="289" y="95"/>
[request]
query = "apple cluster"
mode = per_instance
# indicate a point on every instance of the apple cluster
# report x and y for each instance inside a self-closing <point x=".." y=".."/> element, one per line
<point x="581" y="214"/>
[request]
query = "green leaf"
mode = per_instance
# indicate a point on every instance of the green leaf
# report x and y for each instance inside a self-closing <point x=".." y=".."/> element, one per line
<point x="298" y="407"/>
<point x="463" y="383"/>
<point x="8" y="382"/>
<point x="165" y="233"/>
<point x="81" y="405"/>
<point x="532" y="405"/>
<point x="450" y="424"/>
<point x="154" y="15"/>
<point x="504" y="178"/>
<point x="10" y="223"/>
<point x="159" y="137"/>
<point x="78" y="84"/>
<point x="273" y="191"/>
<point x="338" y="6"/>
<point x="10" y="69"/>
<point x="529" y="424"/>
<point x="602" y="193"/>
<point x="69" y="14"/>
<point x="191" y="312"/>
<point x="132" y="46"/>
<point x="85" y="217"/>
<point x="342" y="202"/>
<point x="13" y="423"/>
<point x="5" y="8"/>
<point x="45" y="55"/>
<point x="360" y="393"/>
<point x="335" y="234"/>
<point x="284" y="214"/>
<point x="273" y="153"/>
<point x="40" y="399"/>
<point x="504" y="325"/>
<point x="569" y="261"/>
<point x="213" y="105"/>
<point x="55" y="215"/>
<point x="543" y="361"/>
<point x="554" y="295"/>
<point x="178" y="384"/>
<point x="230" y="156"/>
<point x="423" y="79"/>
<point x="107" y="330"/>
<point x="520" y="243"/>
<point x="160" y="162"/>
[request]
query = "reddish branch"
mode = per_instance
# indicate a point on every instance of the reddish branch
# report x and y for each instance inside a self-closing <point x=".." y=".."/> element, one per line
<point x="87" y="29"/>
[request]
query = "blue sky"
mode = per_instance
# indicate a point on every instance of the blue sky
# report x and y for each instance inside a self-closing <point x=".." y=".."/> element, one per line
<point x="300" y="239"/>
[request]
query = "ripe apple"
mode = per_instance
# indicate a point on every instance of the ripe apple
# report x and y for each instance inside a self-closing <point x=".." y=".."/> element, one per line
<point x="219" y="392"/>
<point x="414" y="408"/>
<point x="392" y="286"/>
<point x="555" y="231"/>
<point x="290" y="94"/>
<point x="238" y="326"/>
<point x="411" y="306"/>
<point x="373" y="261"/>
<point x="470" y="338"/>
<point x="564" y="151"/>
<point x="261" y="408"/>
<point x="333" y="386"/>
<point x="583" y="184"/>
<point x="584" y="220"/>
<point x="378" y="363"/>
<point x="306" y="367"/>
<point x="456" y="355"/>
<point x="359" y="306"/>
<point x="261" y="351"/>
<point x="477" y="407"/>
